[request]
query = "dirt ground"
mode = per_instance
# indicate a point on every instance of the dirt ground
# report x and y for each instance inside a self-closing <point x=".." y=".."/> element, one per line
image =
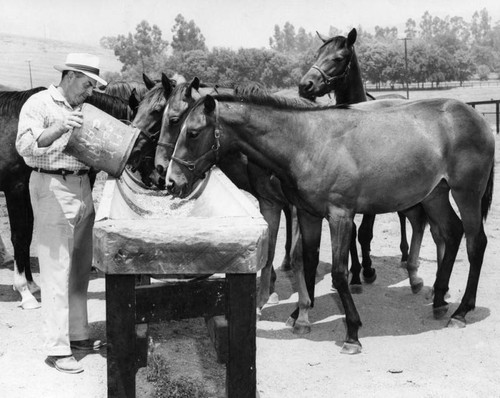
<point x="406" y="352"/>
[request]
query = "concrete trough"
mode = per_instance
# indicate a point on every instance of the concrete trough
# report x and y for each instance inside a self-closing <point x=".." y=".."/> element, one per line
<point x="141" y="231"/>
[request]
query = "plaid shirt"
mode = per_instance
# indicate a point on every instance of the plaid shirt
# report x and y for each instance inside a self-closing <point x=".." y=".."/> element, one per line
<point x="39" y="112"/>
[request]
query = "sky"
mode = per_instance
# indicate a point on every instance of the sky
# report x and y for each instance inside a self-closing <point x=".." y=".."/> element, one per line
<point x="224" y="23"/>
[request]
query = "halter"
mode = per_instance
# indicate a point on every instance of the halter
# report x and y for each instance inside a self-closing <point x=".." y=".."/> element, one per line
<point x="331" y="80"/>
<point x="194" y="165"/>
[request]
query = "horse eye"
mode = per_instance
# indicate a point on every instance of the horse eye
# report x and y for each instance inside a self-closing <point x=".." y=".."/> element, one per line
<point x="191" y="133"/>
<point x="173" y="121"/>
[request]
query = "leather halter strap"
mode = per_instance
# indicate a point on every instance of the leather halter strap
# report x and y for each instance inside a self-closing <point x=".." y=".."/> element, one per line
<point x="331" y="80"/>
<point x="195" y="166"/>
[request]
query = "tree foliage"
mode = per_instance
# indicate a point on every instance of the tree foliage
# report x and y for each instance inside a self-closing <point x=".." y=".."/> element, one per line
<point x="187" y="36"/>
<point x="438" y="50"/>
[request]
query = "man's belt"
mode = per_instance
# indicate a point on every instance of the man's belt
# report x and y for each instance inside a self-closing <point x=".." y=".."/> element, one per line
<point x="62" y="172"/>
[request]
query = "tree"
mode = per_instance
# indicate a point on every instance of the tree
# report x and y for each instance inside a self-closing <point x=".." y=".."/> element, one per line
<point x="411" y="28"/>
<point x="133" y="50"/>
<point x="187" y="36"/>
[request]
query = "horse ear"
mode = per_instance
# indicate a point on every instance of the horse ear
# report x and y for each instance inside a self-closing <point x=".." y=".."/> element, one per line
<point x="351" y="37"/>
<point x="209" y="104"/>
<point x="133" y="101"/>
<point x="148" y="82"/>
<point x="195" y="84"/>
<point x="168" y="85"/>
<point x="321" y="37"/>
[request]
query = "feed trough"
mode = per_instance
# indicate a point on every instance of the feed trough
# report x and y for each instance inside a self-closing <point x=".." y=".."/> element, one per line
<point x="144" y="232"/>
<point x="141" y="231"/>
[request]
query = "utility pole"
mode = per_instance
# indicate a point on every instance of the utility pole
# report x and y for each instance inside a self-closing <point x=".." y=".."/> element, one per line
<point x="29" y="67"/>
<point x="406" y="67"/>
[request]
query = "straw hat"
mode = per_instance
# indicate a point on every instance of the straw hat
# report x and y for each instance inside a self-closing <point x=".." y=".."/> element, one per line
<point x="87" y="64"/>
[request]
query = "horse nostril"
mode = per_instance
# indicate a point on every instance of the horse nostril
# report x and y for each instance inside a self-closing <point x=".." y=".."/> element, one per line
<point x="160" y="169"/>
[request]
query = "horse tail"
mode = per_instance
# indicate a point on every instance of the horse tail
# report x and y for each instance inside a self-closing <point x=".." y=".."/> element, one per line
<point x="488" y="194"/>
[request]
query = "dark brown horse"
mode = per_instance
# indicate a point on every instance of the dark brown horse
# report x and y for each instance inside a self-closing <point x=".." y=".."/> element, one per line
<point x="337" y="70"/>
<point x="244" y="174"/>
<point x="355" y="160"/>
<point x="148" y="119"/>
<point x="14" y="182"/>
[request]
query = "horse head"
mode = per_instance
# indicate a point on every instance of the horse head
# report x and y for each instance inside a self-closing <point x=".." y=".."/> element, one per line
<point x="183" y="97"/>
<point x="148" y="120"/>
<point x="331" y="67"/>
<point x="196" y="150"/>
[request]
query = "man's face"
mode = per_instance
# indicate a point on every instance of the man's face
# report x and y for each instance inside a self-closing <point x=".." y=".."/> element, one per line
<point x="80" y="87"/>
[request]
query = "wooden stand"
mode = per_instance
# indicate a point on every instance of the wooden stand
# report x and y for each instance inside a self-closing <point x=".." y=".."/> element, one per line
<point x="128" y="306"/>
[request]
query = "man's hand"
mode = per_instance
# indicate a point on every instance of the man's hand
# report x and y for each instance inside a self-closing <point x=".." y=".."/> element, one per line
<point x="72" y="120"/>
<point x="52" y="133"/>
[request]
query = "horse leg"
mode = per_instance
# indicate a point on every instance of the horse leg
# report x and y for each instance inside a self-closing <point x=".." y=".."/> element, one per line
<point x="355" y="284"/>
<point x="286" y="265"/>
<point x="21" y="227"/>
<point x="365" y="236"/>
<point x="418" y="220"/>
<point x="340" y="234"/>
<point x="470" y="210"/>
<point x="447" y="231"/>
<point x="271" y="213"/>
<point x="403" y="245"/>
<point x="310" y="229"/>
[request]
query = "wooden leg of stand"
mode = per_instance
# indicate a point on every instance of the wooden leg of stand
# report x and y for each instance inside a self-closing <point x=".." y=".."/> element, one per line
<point x="241" y="375"/>
<point x="120" y="333"/>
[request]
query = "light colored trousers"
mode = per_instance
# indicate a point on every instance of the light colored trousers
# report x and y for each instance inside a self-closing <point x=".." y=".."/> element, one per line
<point x="5" y="256"/>
<point x="64" y="218"/>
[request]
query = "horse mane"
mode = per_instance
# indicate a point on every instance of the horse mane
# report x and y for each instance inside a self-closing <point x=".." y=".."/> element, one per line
<point x="123" y="89"/>
<point x="339" y="41"/>
<point x="115" y="106"/>
<point x="11" y="102"/>
<point x="276" y="101"/>
<point x="156" y="94"/>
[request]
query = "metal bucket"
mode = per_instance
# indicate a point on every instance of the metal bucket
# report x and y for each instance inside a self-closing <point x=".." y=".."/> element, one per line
<point x="102" y="142"/>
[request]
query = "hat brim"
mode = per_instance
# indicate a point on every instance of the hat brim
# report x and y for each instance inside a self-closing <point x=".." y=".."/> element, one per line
<point x="62" y="68"/>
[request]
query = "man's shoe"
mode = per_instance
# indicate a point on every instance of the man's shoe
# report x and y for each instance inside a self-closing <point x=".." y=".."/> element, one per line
<point x="87" y="345"/>
<point x="65" y="364"/>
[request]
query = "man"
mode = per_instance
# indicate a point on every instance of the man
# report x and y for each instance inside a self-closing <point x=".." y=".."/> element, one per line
<point x="5" y="256"/>
<point x="63" y="208"/>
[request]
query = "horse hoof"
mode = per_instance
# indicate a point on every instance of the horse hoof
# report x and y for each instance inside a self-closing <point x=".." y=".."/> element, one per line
<point x="301" y="328"/>
<point x="290" y="322"/>
<point x="30" y="304"/>
<point x="455" y="323"/>
<point x="356" y="289"/>
<point x="417" y="287"/>
<point x="370" y="278"/>
<point x="351" y="348"/>
<point x="441" y="311"/>
<point x="273" y="299"/>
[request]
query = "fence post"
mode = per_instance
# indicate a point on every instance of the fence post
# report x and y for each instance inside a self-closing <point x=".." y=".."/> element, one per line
<point x="497" y="105"/>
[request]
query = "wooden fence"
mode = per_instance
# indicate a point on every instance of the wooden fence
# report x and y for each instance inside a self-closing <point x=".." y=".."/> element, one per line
<point x="486" y="110"/>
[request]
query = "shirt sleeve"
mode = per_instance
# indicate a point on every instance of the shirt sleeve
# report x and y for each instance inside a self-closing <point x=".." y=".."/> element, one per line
<point x="31" y="125"/>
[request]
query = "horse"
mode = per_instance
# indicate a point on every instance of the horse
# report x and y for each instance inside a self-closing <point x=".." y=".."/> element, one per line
<point x="353" y="159"/>
<point x="125" y="89"/>
<point x="337" y="70"/>
<point x="244" y="174"/>
<point x="14" y="182"/>
<point x="148" y="119"/>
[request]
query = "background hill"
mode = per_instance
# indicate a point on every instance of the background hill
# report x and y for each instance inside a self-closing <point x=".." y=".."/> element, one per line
<point x="43" y="54"/>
